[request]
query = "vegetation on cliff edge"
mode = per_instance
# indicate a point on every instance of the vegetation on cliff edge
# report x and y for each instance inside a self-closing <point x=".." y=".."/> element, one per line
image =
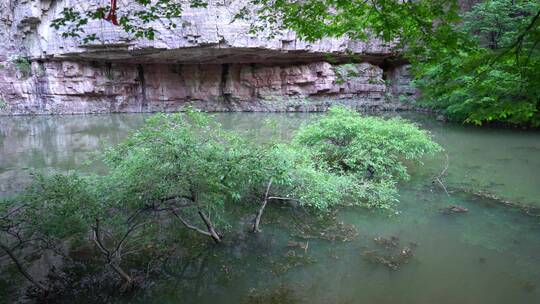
<point x="477" y="66"/>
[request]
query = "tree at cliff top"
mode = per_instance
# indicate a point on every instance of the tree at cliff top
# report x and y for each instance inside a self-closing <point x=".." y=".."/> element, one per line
<point x="137" y="20"/>
<point x="182" y="172"/>
<point x="479" y="67"/>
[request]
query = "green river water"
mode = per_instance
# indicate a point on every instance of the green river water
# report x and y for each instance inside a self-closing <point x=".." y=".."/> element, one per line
<point x="489" y="255"/>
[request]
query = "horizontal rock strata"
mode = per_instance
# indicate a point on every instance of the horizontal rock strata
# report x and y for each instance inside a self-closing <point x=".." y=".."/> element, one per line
<point x="208" y="61"/>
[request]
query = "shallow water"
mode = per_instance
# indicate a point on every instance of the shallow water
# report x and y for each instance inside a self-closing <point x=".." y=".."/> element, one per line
<point x="489" y="255"/>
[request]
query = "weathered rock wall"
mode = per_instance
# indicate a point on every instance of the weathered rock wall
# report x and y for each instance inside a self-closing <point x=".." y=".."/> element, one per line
<point x="78" y="87"/>
<point x="203" y="35"/>
<point x="209" y="62"/>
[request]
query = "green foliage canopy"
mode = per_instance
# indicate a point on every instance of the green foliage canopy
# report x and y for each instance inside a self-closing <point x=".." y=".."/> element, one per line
<point x="478" y="66"/>
<point x="137" y="18"/>
<point x="493" y="75"/>
<point x="370" y="150"/>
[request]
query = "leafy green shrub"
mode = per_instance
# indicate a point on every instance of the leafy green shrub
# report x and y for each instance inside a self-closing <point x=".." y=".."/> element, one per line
<point x="182" y="159"/>
<point x="185" y="157"/>
<point x="371" y="149"/>
<point x="51" y="210"/>
<point x="491" y="74"/>
<point x="344" y="72"/>
<point x="3" y="104"/>
<point x="23" y="65"/>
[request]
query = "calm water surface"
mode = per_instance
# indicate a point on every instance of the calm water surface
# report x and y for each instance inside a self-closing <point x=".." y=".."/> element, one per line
<point x="489" y="255"/>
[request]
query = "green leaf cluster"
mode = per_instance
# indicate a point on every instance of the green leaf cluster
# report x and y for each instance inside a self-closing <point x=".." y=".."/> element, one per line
<point x="23" y="65"/>
<point x="492" y="76"/>
<point x="478" y="66"/>
<point x="369" y="150"/>
<point x="137" y="18"/>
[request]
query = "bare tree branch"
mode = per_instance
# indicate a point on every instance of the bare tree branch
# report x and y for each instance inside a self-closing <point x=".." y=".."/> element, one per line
<point x="21" y="268"/>
<point x="188" y="225"/>
<point x="215" y="236"/>
<point x="438" y="178"/>
<point x="261" y="210"/>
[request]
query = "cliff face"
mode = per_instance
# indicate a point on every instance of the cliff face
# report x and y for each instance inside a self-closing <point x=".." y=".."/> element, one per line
<point x="208" y="61"/>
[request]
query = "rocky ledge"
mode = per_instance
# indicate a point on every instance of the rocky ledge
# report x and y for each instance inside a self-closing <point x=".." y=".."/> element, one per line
<point x="209" y="62"/>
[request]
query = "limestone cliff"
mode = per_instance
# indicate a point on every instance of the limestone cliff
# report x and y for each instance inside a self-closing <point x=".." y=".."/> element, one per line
<point x="208" y="61"/>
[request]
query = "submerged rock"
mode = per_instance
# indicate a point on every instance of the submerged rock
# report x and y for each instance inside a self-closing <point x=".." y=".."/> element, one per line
<point x="529" y="286"/>
<point x="454" y="209"/>
<point x="282" y="294"/>
<point x="291" y="259"/>
<point x="392" y="261"/>
<point x="391" y="242"/>
<point x="441" y="118"/>
<point x="406" y="252"/>
<point x="302" y="245"/>
<point x="391" y="255"/>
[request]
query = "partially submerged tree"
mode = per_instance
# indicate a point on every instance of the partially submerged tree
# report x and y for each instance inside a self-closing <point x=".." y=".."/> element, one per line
<point x="183" y="169"/>
<point x="51" y="210"/>
<point x="185" y="166"/>
<point x="18" y="238"/>
<point x="370" y="150"/>
<point x="59" y="213"/>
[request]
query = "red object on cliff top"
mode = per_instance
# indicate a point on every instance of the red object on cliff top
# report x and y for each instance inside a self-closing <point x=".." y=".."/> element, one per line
<point x="112" y="13"/>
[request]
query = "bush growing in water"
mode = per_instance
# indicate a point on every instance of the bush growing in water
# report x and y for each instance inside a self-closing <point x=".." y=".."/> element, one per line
<point x="369" y="150"/>
<point x="182" y="170"/>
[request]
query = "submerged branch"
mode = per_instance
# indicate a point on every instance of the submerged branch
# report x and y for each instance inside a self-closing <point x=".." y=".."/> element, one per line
<point x="21" y="268"/>
<point x="438" y="178"/>
<point x="215" y="236"/>
<point x="261" y="210"/>
<point x="112" y="257"/>
<point x="188" y="225"/>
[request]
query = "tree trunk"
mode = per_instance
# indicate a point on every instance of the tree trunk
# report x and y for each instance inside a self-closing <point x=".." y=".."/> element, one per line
<point x="110" y="256"/>
<point x="213" y="234"/>
<point x="22" y="270"/>
<point x="261" y="210"/>
<point x="188" y="225"/>
<point x="123" y="274"/>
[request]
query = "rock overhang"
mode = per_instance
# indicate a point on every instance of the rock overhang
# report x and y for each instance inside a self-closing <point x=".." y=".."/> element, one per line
<point x="217" y="55"/>
<point x="209" y="61"/>
<point x="202" y="35"/>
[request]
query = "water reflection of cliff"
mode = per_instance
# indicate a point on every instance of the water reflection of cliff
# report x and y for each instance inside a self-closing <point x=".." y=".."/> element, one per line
<point x="46" y="143"/>
<point x="503" y="162"/>
<point x="61" y="143"/>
